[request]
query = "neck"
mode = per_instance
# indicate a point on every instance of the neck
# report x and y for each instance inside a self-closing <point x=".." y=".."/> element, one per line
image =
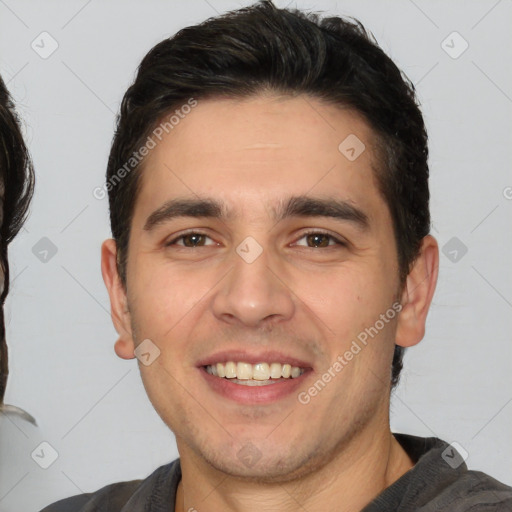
<point x="348" y="482"/>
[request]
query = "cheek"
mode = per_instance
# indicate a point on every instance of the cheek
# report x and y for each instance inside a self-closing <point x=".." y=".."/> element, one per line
<point x="347" y="302"/>
<point x="344" y="298"/>
<point x="163" y="297"/>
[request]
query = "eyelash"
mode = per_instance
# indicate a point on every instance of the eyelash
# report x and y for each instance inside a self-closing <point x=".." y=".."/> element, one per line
<point x="312" y="232"/>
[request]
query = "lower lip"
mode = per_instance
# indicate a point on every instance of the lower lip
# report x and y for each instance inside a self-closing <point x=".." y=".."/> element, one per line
<point x="253" y="394"/>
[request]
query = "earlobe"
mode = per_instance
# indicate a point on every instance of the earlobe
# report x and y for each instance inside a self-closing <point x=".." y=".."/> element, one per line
<point x="124" y="346"/>
<point x="417" y="294"/>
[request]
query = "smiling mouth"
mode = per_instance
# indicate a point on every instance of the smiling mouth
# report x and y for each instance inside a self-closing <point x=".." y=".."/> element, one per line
<point x="260" y="374"/>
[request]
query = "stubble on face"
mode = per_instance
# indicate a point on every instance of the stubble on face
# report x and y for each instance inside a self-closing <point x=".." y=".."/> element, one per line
<point x="253" y="151"/>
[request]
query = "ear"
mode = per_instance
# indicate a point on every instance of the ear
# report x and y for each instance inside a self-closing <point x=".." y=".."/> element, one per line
<point x="124" y="346"/>
<point x="417" y="294"/>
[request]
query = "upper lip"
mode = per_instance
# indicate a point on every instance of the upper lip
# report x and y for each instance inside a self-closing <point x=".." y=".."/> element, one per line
<point x="270" y="356"/>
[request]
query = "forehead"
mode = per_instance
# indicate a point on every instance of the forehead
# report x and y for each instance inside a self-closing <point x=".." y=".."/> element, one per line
<point x="254" y="151"/>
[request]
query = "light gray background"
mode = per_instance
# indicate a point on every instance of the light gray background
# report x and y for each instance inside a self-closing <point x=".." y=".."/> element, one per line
<point x="91" y="406"/>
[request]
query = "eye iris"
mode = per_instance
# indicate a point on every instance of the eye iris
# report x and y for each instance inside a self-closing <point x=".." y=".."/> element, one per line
<point x="314" y="238"/>
<point x="194" y="237"/>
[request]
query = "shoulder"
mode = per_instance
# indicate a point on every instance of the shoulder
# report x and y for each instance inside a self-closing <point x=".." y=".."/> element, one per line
<point x="440" y="481"/>
<point x="114" y="497"/>
<point x="475" y="491"/>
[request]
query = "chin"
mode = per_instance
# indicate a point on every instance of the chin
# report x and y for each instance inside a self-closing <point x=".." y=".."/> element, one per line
<point x="275" y="464"/>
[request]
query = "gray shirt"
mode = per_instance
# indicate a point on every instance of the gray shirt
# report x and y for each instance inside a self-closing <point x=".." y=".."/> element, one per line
<point x="439" y="482"/>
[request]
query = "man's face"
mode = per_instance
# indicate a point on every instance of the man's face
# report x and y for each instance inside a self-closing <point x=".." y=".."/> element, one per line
<point x="212" y="297"/>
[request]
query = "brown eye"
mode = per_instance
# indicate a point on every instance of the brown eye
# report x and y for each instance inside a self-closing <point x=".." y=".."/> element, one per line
<point x="193" y="240"/>
<point x="318" y="239"/>
<point x="190" y="240"/>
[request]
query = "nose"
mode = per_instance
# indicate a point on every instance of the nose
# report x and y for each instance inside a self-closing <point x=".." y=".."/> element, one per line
<point x="254" y="293"/>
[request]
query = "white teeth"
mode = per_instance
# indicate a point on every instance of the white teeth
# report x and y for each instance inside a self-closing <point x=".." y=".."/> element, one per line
<point x="244" y="371"/>
<point x="220" y="370"/>
<point x="260" y="371"/>
<point x="275" y="370"/>
<point x="230" y="370"/>
<point x="295" y="372"/>
<point x="247" y="372"/>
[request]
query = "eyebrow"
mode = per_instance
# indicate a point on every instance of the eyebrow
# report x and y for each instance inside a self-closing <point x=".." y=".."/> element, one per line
<point x="294" y="206"/>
